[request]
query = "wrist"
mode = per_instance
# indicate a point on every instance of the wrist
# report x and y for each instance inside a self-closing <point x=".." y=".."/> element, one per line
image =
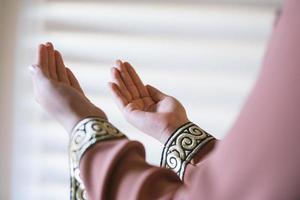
<point x="205" y="151"/>
<point x="79" y="118"/>
<point x="171" y="128"/>
<point x="74" y="116"/>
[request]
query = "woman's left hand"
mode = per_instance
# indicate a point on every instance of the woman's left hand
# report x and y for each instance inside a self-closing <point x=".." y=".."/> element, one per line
<point x="58" y="91"/>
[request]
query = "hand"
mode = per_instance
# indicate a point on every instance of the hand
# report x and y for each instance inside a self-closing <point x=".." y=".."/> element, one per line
<point x="145" y="107"/>
<point x="58" y="91"/>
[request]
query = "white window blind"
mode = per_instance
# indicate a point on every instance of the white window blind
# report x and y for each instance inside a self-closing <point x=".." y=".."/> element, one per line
<point x="206" y="55"/>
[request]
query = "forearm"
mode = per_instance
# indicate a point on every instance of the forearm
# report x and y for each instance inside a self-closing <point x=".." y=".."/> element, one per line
<point x="117" y="170"/>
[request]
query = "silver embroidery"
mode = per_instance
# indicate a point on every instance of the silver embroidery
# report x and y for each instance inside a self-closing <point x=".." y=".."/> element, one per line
<point x="86" y="133"/>
<point x="181" y="147"/>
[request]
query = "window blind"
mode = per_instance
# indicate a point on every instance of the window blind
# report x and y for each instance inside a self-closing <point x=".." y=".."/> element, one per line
<point x="206" y="55"/>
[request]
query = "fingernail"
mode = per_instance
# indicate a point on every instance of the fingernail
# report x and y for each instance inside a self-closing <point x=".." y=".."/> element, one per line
<point x="41" y="45"/>
<point x="118" y="63"/>
<point x="49" y="44"/>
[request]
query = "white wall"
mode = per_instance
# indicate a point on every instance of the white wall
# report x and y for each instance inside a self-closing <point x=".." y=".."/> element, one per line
<point x="8" y="23"/>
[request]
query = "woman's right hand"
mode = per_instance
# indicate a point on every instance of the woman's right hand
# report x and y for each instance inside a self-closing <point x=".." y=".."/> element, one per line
<point x="145" y="107"/>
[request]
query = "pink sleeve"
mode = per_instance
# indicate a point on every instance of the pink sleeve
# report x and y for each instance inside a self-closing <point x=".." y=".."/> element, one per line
<point x="258" y="159"/>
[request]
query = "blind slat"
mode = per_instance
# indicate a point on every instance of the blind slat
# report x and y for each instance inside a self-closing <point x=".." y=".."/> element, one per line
<point x="208" y="21"/>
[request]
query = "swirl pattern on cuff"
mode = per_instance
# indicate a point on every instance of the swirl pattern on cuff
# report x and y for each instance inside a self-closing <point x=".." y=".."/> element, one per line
<point x="86" y="133"/>
<point x="181" y="147"/>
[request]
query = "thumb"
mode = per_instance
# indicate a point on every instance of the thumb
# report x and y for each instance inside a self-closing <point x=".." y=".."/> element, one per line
<point x="36" y="72"/>
<point x="155" y="93"/>
<point x="38" y="77"/>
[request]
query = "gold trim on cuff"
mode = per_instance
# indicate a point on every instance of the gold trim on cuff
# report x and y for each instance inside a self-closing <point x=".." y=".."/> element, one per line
<point x="86" y="133"/>
<point x="182" y="146"/>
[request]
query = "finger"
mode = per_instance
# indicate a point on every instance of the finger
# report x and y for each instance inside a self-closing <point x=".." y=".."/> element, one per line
<point x="51" y="61"/>
<point x="148" y="101"/>
<point x="73" y="80"/>
<point x="60" y="68"/>
<point x="43" y="59"/>
<point x="155" y="94"/>
<point x="136" y="80"/>
<point x="128" y="80"/>
<point x="119" y="81"/>
<point x="120" y="99"/>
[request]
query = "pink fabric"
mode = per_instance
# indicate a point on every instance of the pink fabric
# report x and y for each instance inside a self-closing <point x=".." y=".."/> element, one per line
<point x="259" y="158"/>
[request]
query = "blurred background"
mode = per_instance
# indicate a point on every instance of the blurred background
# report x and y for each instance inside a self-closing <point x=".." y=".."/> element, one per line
<point x="207" y="53"/>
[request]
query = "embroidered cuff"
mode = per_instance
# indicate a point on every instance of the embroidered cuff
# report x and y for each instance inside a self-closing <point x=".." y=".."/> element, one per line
<point x="181" y="147"/>
<point x="86" y="133"/>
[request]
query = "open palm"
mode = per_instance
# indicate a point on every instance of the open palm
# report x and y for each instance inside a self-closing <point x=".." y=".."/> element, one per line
<point x="145" y="107"/>
<point x="58" y="91"/>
